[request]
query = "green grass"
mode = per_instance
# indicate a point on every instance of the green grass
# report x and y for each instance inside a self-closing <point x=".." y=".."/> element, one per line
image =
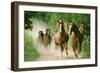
<point x="86" y="47"/>
<point x="30" y="52"/>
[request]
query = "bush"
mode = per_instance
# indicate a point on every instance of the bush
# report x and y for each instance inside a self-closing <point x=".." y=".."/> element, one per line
<point x="86" y="47"/>
<point x="30" y="52"/>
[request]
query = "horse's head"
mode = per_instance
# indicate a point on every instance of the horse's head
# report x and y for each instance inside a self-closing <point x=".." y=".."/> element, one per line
<point x="60" y="21"/>
<point x="48" y="31"/>
<point x="71" y="27"/>
<point x="61" y="27"/>
<point x="81" y="28"/>
<point x="40" y="33"/>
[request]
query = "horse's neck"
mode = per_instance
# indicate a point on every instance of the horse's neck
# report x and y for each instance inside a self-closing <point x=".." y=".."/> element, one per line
<point x="77" y="32"/>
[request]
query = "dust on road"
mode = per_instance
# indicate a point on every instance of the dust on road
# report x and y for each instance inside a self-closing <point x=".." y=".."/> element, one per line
<point x="51" y="53"/>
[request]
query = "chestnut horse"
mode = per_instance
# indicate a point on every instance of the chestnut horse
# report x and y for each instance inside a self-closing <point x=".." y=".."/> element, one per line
<point x="77" y="38"/>
<point x="61" y="38"/>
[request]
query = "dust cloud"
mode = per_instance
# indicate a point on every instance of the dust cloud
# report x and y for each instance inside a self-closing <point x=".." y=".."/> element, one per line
<point x="51" y="53"/>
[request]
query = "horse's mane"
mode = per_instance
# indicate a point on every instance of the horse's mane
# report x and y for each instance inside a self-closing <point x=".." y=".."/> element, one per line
<point x="75" y="29"/>
<point x="63" y="28"/>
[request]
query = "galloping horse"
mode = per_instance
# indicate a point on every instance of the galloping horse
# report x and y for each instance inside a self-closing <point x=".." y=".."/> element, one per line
<point x="61" y="38"/>
<point x="44" y="39"/>
<point x="40" y="37"/>
<point x="77" y="38"/>
<point x="47" y="38"/>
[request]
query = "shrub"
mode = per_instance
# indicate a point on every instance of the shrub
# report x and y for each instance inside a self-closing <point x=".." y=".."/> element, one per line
<point x="30" y="52"/>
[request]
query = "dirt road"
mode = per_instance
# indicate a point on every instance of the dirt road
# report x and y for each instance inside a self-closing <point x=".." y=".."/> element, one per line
<point x="53" y="53"/>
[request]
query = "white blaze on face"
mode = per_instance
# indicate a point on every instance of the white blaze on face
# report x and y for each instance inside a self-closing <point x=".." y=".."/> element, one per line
<point x="69" y="29"/>
<point x="60" y="28"/>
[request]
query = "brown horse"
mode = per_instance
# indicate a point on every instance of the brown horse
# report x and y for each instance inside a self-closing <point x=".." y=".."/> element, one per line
<point x="44" y="39"/>
<point x="40" y="37"/>
<point x="77" y="38"/>
<point x="47" y="38"/>
<point x="61" y="38"/>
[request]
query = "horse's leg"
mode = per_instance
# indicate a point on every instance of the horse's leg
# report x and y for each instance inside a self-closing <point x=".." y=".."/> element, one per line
<point x="56" y="46"/>
<point x="80" y="46"/>
<point x="49" y="45"/>
<point x="62" y="49"/>
<point x="79" y="51"/>
<point x="74" y="49"/>
<point x="46" y="46"/>
<point x="66" y="48"/>
<point x="74" y="45"/>
<point x="75" y="52"/>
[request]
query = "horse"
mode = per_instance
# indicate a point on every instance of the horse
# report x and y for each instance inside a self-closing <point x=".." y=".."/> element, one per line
<point x="47" y="38"/>
<point x="61" y="38"/>
<point x="40" y="37"/>
<point x="77" y="38"/>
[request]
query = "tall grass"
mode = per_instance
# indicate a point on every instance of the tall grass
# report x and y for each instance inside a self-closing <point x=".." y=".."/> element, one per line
<point x="86" y="47"/>
<point x="30" y="52"/>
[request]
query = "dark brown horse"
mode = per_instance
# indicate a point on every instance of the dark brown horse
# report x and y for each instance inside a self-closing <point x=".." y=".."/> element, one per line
<point x="40" y="37"/>
<point x="61" y="38"/>
<point x="77" y="38"/>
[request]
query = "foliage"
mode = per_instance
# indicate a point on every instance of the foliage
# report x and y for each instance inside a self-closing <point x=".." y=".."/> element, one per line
<point x="27" y="22"/>
<point x="86" y="47"/>
<point x="51" y="19"/>
<point x="30" y="52"/>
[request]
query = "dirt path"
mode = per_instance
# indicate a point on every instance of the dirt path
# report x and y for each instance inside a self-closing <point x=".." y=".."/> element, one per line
<point x="53" y="53"/>
<point x="56" y="56"/>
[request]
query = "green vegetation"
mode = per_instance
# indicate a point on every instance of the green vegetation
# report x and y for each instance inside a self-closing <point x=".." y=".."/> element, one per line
<point x="30" y="52"/>
<point x="51" y="19"/>
<point x="86" y="47"/>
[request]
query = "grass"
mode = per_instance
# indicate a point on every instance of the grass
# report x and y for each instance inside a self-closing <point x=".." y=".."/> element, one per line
<point x="86" y="47"/>
<point x="30" y="52"/>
